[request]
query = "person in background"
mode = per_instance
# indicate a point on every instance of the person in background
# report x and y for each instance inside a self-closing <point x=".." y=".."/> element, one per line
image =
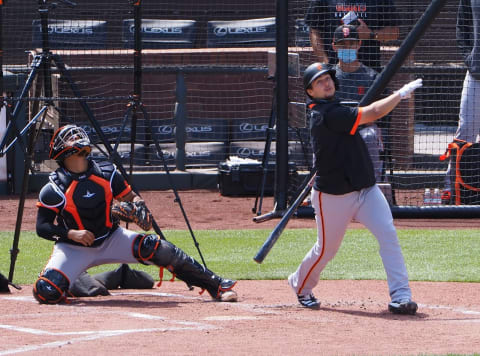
<point x="354" y="79"/>
<point x="377" y="23"/>
<point x="468" y="41"/>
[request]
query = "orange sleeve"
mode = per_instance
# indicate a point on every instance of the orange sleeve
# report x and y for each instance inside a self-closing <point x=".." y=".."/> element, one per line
<point x="357" y="122"/>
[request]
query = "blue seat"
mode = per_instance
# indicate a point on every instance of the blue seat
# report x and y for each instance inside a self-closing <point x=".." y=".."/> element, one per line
<point x="160" y="33"/>
<point x="72" y="34"/>
<point x="242" y="33"/>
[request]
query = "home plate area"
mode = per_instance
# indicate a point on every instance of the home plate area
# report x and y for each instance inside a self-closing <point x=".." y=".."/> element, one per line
<point x="353" y="319"/>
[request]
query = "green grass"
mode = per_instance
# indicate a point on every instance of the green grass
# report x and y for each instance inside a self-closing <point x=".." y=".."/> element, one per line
<point x="431" y="255"/>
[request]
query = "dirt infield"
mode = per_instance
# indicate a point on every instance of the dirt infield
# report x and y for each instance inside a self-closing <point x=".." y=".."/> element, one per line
<point x="172" y="320"/>
<point x="353" y="320"/>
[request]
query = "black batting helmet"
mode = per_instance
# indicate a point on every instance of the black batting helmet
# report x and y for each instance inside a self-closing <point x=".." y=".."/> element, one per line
<point x="315" y="70"/>
<point x="68" y="140"/>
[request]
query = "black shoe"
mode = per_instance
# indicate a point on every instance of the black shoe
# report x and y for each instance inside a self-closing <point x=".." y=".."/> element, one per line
<point x="227" y="284"/>
<point x="309" y="301"/>
<point x="403" y="307"/>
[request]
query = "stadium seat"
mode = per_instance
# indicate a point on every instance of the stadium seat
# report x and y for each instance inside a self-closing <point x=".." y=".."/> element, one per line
<point x="255" y="150"/>
<point x="202" y="130"/>
<point x="161" y="33"/>
<point x="302" y="33"/>
<point x="254" y="129"/>
<point x="141" y="154"/>
<point x="242" y="33"/>
<point x="204" y="153"/>
<point x="72" y="34"/>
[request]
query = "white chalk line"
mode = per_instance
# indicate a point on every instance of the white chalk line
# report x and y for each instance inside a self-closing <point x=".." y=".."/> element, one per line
<point x="96" y="334"/>
<point x="158" y="294"/>
<point x="186" y="325"/>
<point x="255" y="308"/>
<point x="454" y="309"/>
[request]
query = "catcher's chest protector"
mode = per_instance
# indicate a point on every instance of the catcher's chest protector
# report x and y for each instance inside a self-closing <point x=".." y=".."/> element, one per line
<point x="88" y="198"/>
<point x="465" y="163"/>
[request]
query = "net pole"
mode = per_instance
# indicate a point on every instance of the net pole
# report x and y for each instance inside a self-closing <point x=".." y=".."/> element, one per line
<point x="281" y="179"/>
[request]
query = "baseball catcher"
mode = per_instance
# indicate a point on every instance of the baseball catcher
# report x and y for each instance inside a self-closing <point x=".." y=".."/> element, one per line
<point x="75" y="211"/>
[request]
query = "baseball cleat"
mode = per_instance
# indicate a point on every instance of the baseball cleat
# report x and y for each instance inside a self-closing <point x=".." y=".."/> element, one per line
<point x="403" y="307"/>
<point x="308" y="301"/>
<point x="226" y="285"/>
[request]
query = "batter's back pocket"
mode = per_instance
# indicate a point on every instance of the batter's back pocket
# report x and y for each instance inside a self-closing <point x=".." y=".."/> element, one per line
<point x="465" y="170"/>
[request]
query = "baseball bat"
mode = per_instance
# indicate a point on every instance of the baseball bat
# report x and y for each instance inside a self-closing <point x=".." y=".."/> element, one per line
<point x="277" y="231"/>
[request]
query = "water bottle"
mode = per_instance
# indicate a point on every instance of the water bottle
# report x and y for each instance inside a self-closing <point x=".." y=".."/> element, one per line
<point x="436" y="197"/>
<point x="427" y="197"/>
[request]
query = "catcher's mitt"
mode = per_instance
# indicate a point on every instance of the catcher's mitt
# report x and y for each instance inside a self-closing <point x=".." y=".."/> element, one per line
<point x="133" y="212"/>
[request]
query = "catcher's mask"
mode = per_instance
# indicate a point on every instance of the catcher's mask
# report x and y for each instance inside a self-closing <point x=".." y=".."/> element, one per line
<point x="67" y="141"/>
<point x="315" y="70"/>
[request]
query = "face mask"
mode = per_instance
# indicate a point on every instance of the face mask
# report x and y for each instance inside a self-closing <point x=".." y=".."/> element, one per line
<point x="347" y="55"/>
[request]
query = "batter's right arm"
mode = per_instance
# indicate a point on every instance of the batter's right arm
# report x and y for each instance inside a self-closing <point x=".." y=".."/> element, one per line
<point x="382" y="107"/>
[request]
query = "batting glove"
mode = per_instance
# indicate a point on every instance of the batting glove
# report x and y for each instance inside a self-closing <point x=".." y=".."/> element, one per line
<point x="406" y="91"/>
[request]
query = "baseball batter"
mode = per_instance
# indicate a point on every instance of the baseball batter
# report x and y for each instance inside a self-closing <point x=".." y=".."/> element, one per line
<point x="344" y="187"/>
<point x="75" y="211"/>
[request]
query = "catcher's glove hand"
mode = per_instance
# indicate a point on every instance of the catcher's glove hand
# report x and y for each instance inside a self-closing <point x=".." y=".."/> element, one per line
<point x="135" y="212"/>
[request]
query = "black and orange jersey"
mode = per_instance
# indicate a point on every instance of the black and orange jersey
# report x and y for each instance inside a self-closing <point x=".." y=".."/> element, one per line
<point x="84" y="201"/>
<point x="342" y="161"/>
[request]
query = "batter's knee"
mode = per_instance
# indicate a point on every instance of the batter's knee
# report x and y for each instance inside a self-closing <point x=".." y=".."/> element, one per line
<point x="50" y="287"/>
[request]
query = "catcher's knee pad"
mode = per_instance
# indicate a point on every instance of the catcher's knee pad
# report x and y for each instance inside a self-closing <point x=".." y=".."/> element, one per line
<point x="150" y="249"/>
<point x="50" y="287"/>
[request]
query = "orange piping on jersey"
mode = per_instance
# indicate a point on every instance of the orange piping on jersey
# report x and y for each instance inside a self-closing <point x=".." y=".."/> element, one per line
<point x="311" y="105"/>
<point x="357" y="121"/>
<point x="323" y="245"/>
<point x="40" y="205"/>
<point x="127" y="190"/>
<point x="70" y="205"/>
<point x="108" y="196"/>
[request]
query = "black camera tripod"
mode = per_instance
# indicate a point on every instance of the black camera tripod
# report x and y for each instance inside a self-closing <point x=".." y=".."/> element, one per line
<point x="42" y="67"/>
<point x="136" y="106"/>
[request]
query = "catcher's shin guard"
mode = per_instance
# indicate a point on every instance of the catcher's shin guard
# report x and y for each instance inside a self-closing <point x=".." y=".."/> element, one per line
<point x="150" y="249"/>
<point x="51" y="287"/>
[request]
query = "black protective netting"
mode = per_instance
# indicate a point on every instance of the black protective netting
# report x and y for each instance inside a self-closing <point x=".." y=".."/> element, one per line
<point x="206" y="81"/>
